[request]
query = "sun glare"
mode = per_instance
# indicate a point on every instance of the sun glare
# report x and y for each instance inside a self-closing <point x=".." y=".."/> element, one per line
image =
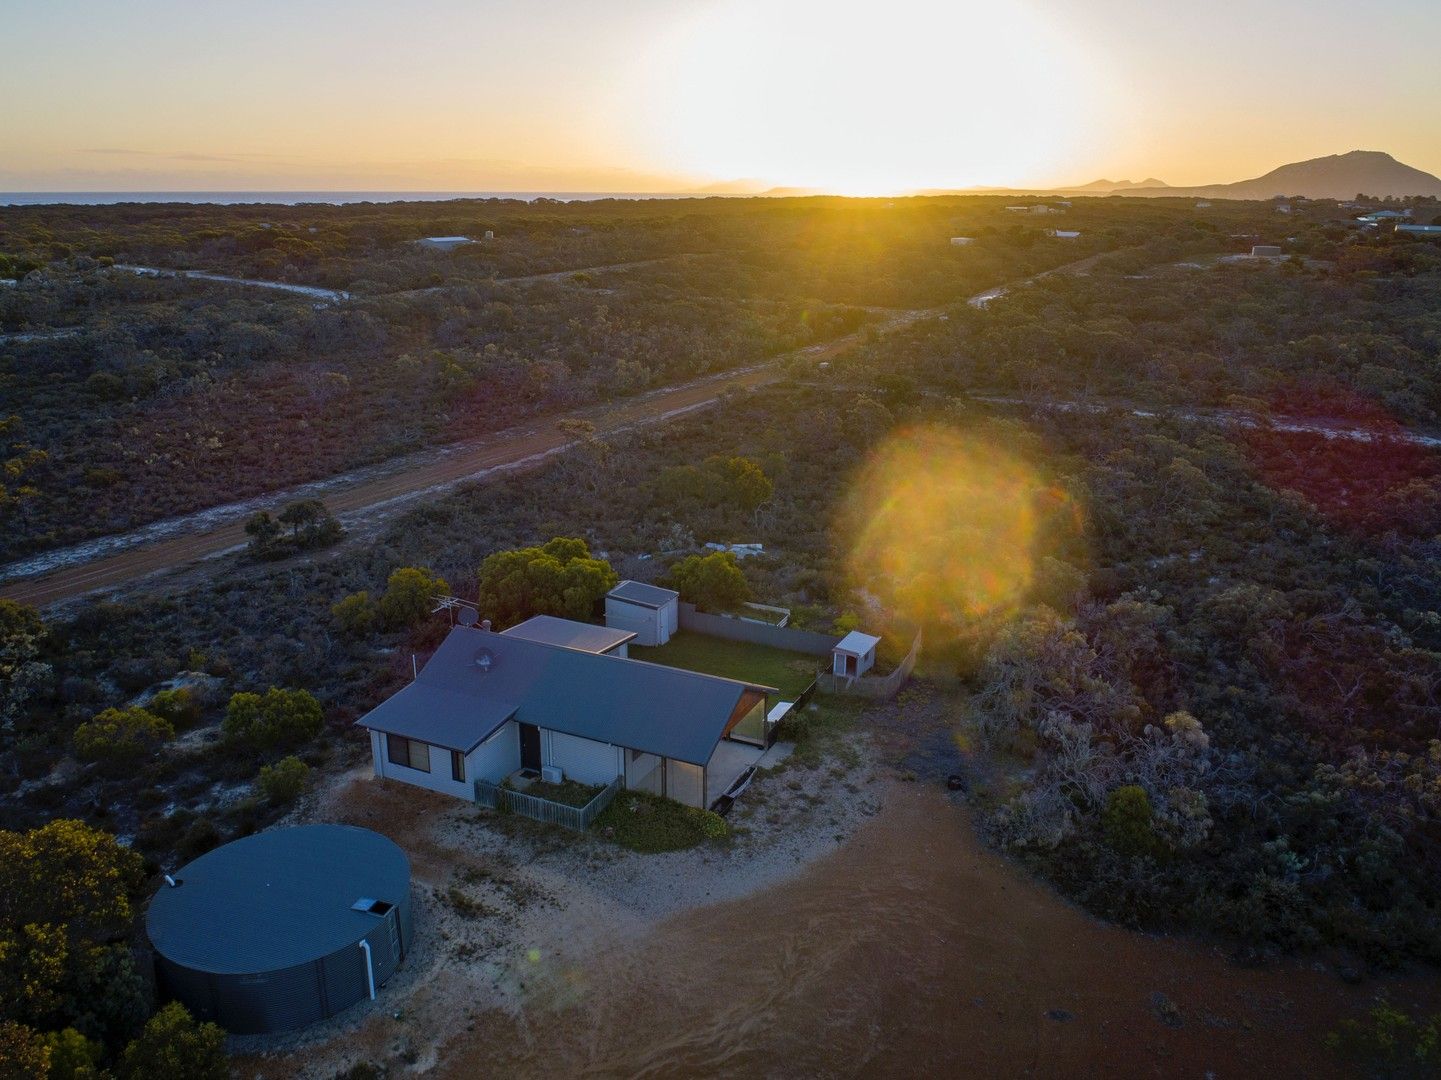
<point x="940" y="529"/>
<point x="867" y="98"/>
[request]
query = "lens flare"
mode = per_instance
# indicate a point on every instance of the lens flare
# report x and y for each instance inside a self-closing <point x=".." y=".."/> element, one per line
<point x="940" y="528"/>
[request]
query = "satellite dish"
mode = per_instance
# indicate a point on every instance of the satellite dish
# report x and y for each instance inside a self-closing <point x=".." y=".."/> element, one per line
<point x="484" y="660"/>
<point x="468" y="617"/>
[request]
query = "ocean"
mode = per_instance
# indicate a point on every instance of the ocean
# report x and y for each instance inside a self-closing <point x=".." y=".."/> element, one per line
<point x="295" y="198"/>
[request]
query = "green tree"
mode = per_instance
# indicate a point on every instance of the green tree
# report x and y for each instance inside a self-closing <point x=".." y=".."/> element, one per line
<point x="24" y="1053"/>
<point x="355" y="615"/>
<point x="175" y="1046"/>
<point x="1128" y="821"/>
<point x="16" y="459"/>
<point x="73" y="1056"/>
<point x="713" y="582"/>
<point x="179" y="707"/>
<point x="559" y="578"/>
<point x="409" y="595"/>
<point x="283" y="782"/>
<point x="23" y="677"/>
<point x="311" y="524"/>
<point x="264" y="532"/>
<point x="121" y="736"/>
<point x="66" y="894"/>
<point x="279" y="718"/>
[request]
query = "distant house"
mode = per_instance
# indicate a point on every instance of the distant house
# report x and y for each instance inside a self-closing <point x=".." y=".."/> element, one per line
<point x="962" y="241"/>
<point x="1265" y="251"/>
<point x="652" y="613"/>
<point x="1203" y="205"/>
<point x="444" y="243"/>
<point x="553" y="697"/>
<point x="1063" y="234"/>
<point x="1383" y="215"/>
<point x="1419" y="230"/>
<point x="854" y="654"/>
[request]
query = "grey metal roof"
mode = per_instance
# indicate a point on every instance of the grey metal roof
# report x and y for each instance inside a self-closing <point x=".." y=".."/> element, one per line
<point x="661" y="710"/>
<point x="276" y="899"/>
<point x="569" y="634"/>
<point x="638" y="592"/>
<point x="856" y="643"/>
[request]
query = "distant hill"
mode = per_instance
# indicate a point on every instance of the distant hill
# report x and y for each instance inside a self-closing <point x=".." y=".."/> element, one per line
<point x="1340" y="176"/>
<point x="1120" y="185"/>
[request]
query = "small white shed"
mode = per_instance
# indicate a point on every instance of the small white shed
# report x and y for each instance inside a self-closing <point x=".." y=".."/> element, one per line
<point x="444" y="243"/>
<point x="648" y="611"/>
<point x="854" y="654"/>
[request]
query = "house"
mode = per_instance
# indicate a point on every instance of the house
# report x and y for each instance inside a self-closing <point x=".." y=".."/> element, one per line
<point x="1063" y="234"/>
<point x="651" y="612"/>
<point x="1419" y="230"/>
<point x="491" y="706"/>
<point x="1265" y="251"/>
<point x="1203" y="205"/>
<point x="962" y="241"/>
<point x="1383" y="215"/>
<point x="444" y="243"/>
<point x="854" y="654"/>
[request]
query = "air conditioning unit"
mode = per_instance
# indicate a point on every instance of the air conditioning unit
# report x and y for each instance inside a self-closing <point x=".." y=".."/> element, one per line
<point x="552" y="774"/>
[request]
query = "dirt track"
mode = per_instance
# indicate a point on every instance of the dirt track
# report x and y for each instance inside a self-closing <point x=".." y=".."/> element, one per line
<point x="513" y="448"/>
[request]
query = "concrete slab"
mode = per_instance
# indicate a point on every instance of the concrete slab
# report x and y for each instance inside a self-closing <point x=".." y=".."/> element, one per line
<point x="730" y="759"/>
<point x="776" y="754"/>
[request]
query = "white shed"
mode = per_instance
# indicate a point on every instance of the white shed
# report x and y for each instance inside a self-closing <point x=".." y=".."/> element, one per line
<point x="962" y="241"/>
<point x="648" y="611"/>
<point x="854" y="654"/>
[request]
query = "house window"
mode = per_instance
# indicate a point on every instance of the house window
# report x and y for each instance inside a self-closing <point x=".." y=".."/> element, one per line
<point x="457" y="766"/>
<point x="408" y="752"/>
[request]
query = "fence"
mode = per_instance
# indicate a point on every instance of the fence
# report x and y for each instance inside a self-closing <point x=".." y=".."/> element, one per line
<point x="756" y="633"/>
<point x="872" y="686"/>
<point x="579" y="818"/>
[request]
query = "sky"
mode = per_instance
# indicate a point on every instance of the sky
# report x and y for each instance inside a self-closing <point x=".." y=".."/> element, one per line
<point x="664" y="95"/>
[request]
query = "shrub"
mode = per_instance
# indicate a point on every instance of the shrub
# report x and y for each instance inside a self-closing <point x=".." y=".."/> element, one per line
<point x="409" y="596"/>
<point x="355" y="615"/>
<point x="73" y="1056"/>
<point x="179" y="707"/>
<point x="649" y="823"/>
<point x="121" y="736"/>
<point x="1389" y="1042"/>
<point x="201" y="836"/>
<point x="1127" y="821"/>
<point x="279" y="718"/>
<point x="174" y="1046"/>
<point x="283" y="782"/>
<point x="712" y="582"/>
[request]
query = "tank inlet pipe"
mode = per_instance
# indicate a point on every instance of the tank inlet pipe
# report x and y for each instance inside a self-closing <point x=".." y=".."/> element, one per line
<point x="369" y="968"/>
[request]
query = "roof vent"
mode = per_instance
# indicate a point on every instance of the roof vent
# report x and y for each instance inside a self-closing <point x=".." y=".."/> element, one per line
<point x="484" y="660"/>
<point x="372" y="907"/>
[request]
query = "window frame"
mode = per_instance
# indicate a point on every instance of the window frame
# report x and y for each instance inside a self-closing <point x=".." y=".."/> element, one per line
<point x="406" y="760"/>
<point x="457" y="766"/>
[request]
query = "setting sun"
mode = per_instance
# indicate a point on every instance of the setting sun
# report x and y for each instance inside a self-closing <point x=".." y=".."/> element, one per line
<point x="858" y="101"/>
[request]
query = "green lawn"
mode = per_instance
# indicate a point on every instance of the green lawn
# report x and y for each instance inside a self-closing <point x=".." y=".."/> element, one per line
<point x="651" y="824"/>
<point x="788" y="672"/>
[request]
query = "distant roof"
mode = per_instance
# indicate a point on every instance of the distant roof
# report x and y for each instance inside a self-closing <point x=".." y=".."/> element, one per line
<point x="638" y="592"/>
<point x="283" y="898"/>
<point x="448" y="239"/>
<point x="569" y="634"/>
<point x="477" y="680"/>
<point x="857" y="643"/>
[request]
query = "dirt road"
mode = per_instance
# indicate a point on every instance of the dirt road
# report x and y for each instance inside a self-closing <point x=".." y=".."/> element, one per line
<point x="100" y="566"/>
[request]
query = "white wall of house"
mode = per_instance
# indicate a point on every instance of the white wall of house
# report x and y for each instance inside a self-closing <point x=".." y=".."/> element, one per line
<point x="492" y="760"/>
<point x="497" y="757"/>
<point x="585" y="760"/>
<point x="437" y="779"/>
<point x="685" y="783"/>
